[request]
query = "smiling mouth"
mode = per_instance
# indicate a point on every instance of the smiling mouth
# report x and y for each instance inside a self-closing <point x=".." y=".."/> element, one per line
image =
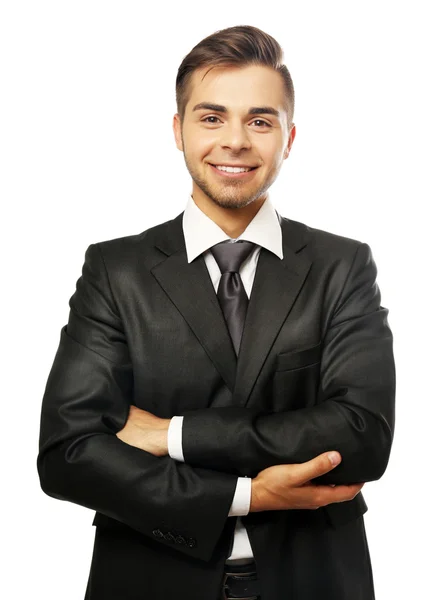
<point x="234" y="173"/>
<point x="249" y="168"/>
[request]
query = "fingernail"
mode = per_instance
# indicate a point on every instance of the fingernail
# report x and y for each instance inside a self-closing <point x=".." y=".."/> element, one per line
<point x="334" y="458"/>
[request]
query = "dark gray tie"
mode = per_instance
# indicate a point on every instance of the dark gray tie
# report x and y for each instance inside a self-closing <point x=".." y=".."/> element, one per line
<point x="231" y="294"/>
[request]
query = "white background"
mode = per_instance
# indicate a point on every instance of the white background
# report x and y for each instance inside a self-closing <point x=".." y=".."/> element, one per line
<point x="87" y="154"/>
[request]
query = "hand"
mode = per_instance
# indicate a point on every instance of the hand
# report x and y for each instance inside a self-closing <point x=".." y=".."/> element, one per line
<point x="284" y="487"/>
<point x="145" y="431"/>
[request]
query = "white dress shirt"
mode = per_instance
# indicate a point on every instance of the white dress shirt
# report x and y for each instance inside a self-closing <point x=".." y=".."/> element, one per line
<point x="201" y="233"/>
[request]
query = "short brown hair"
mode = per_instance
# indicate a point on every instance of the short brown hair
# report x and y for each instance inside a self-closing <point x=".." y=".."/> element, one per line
<point x="241" y="45"/>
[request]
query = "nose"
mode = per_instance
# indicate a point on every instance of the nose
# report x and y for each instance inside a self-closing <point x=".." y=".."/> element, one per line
<point x="235" y="137"/>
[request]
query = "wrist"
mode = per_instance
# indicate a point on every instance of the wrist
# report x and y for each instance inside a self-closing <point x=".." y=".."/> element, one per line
<point x="254" y="499"/>
<point x="163" y="437"/>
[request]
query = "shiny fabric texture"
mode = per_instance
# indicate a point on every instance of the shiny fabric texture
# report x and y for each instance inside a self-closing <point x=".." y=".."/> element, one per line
<point x="315" y="372"/>
<point x="231" y="294"/>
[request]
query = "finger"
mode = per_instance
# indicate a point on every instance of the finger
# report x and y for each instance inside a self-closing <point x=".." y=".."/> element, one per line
<point x="314" y="468"/>
<point x="340" y="493"/>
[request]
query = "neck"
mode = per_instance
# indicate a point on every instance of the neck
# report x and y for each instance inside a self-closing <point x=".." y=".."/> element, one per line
<point x="233" y="221"/>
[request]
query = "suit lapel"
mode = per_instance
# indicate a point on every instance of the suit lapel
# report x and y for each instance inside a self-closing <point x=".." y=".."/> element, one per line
<point x="191" y="290"/>
<point x="276" y="285"/>
<point x="275" y="288"/>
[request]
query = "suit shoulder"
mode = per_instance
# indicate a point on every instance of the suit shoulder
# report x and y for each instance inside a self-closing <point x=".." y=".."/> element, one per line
<point x="325" y="243"/>
<point x="127" y="248"/>
<point x="144" y="238"/>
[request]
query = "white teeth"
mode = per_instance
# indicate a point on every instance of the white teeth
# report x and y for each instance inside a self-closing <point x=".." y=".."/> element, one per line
<point x="233" y="169"/>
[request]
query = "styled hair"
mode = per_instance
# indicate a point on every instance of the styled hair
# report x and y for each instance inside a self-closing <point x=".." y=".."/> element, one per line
<point x="242" y="45"/>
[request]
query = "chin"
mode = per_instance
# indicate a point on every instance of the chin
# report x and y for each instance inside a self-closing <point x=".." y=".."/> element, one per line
<point x="232" y="201"/>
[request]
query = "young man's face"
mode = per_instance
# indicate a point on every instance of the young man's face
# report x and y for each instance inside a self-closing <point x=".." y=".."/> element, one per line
<point x="226" y="134"/>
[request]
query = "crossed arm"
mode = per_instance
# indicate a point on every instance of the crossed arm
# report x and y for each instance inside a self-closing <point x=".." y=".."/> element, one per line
<point x="81" y="460"/>
<point x="87" y="402"/>
<point x="354" y="413"/>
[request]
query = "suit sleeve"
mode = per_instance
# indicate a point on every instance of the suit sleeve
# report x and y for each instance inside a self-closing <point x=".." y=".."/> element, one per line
<point x="86" y="402"/>
<point x="354" y="413"/>
<point x="242" y="498"/>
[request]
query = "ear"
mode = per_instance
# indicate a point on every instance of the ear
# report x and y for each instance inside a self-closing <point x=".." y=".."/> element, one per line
<point x="177" y="132"/>
<point x="291" y="137"/>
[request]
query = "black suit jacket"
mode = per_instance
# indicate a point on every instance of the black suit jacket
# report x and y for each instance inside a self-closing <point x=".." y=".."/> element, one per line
<point x="315" y="372"/>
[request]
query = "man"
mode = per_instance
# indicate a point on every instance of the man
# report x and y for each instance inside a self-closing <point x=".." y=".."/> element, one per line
<point x="212" y="363"/>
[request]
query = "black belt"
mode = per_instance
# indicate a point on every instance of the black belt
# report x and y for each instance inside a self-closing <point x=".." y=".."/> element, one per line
<point x="241" y="582"/>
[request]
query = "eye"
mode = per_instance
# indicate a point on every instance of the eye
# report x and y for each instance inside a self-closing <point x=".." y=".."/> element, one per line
<point x="212" y="122"/>
<point x="261" y="121"/>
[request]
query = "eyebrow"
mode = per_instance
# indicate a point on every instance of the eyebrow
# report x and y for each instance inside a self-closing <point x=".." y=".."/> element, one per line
<point x="254" y="110"/>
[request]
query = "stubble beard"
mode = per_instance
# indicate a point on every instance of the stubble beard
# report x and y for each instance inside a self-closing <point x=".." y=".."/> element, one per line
<point x="230" y="194"/>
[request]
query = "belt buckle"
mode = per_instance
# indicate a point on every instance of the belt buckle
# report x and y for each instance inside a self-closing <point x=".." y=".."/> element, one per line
<point x="244" y="597"/>
<point x="227" y="573"/>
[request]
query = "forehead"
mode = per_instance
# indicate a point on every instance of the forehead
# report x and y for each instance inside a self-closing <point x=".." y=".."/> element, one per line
<point x="237" y="87"/>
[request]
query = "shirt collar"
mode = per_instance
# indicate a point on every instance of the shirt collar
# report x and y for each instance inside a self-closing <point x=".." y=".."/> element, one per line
<point x="200" y="232"/>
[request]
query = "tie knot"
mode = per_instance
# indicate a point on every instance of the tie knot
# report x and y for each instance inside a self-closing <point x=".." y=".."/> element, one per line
<point x="230" y="255"/>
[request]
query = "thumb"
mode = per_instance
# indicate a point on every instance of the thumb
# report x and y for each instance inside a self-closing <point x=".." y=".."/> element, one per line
<point x="319" y="465"/>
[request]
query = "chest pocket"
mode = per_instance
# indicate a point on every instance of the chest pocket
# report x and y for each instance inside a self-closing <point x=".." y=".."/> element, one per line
<point x="295" y="380"/>
<point x="298" y="359"/>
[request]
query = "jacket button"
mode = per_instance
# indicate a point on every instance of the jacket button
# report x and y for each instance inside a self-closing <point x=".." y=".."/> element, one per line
<point x="191" y="542"/>
<point x="157" y="533"/>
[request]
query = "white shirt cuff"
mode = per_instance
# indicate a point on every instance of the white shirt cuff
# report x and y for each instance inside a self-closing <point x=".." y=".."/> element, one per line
<point x="242" y="497"/>
<point x="174" y="439"/>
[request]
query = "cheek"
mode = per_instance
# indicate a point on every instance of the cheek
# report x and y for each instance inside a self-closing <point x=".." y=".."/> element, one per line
<point x="199" y="144"/>
<point x="272" y="153"/>
<point x="200" y="150"/>
<point x="266" y="146"/>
